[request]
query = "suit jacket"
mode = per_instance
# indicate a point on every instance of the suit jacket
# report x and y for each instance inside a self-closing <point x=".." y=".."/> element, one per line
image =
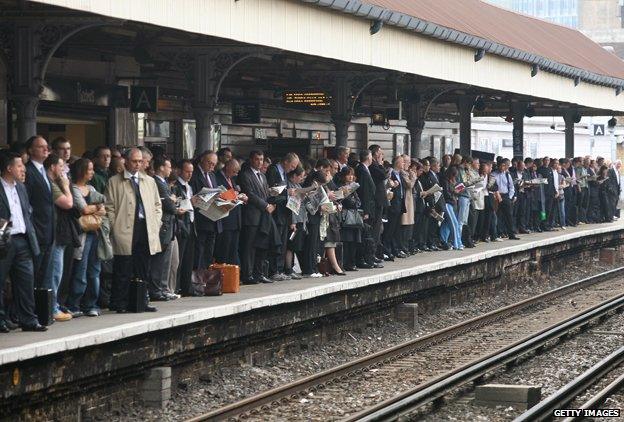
<point x="198" y="182"/>
<point x="40" y="197"/>
<point x="257" y="191"/>
<point x="5" y="213"/>
<point x="379" y="175"/>
<point x="614" y="186"/>
<point x="546" y="172"/>
<point x="397" y="203"/>
<point x="184" y="225"/>
<point x="281" y="215"/>
<point x="169" y="212"/>
<point x="234" y="220"/>
<point x="366" y="191"/>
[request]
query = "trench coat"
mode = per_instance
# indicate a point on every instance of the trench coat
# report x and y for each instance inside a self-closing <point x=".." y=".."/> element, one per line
<point x="120" y="209"/>
<point x="409" y="180"/>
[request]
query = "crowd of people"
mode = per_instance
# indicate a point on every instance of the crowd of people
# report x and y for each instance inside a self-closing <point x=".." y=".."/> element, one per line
<point x="84" y="227"/>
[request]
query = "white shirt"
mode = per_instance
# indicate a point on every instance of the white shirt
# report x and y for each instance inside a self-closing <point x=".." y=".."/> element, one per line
<point x="135" y="178"/>
<point x="556" y="181"/>
<point x="189" y="195"/>
<point x="15" y="206"/>
<point x="42" y="171"/>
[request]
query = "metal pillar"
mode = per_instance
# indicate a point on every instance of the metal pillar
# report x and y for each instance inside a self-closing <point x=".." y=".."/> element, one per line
<point x="415" y="125"/>
<point x="204" y="102"/>
<point x="465" y="105"/>
<point x="341" y="109"/>
<point x="569" y="118"/>
<point x="26" y="111"/>
<point x="518" y="109"/>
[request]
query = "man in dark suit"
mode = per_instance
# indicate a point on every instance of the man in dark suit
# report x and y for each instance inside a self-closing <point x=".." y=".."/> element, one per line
<point x="366" y="192"/>
<point x="614" y="189"/>
<point x="158" y="285"/>
<point x="228" y="239"/>
<point x="186" y="228"/>
<point x="277" y="175"/>
<point x="396" y="208"/>
<point x="429" y="178"/>
<point x="205" y="228"/>
<point x="256" y="219"/>
<point x="39" y="188"/>
<point x="23" y="247"/>
<point x="380" y="177"/>
<point x="550" y="191"/>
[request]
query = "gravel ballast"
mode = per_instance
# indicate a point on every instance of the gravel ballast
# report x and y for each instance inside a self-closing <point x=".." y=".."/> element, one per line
<point x="232" y="383"/>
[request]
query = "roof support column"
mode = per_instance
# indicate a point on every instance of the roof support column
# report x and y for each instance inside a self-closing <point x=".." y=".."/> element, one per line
<point x="26" y="82"/>
<point x="465" y="106"/>
<point x="569" y="117"/>
<point x="204" y="102"/>
<point x="415" y="125"/>
<point x="341" y="109"/>
<point x="518" y="109"/>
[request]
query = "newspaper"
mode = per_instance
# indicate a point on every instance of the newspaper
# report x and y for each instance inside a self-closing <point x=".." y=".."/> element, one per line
<point x="432" y="190"/>
<point x="436" y="196"/>
<point x="185" y="204"/>
<point x="536" y="182"/>
<point x="346" y="190"/>
<point x="207" y="196"/>
<point x="317" y="198"/>
<point x="220" y="208"/>
<point x="276" y="190"/>
<point x="294" y="203"/>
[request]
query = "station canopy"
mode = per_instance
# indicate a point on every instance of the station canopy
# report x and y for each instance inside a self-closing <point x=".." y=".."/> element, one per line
<point x="468" y="46"/>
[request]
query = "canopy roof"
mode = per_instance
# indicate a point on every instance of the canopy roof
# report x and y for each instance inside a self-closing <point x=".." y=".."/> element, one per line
<point x="479" y="24"/>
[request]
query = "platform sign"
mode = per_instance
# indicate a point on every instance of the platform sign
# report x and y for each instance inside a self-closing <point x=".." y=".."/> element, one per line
<point x="245" y="112"/>
<point x="599" y="130"/>
<point x="307" y="99"/>
<point x="144" y="99"/>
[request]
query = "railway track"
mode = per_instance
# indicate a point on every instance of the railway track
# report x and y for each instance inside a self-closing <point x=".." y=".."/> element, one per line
<point x="611" y="368"/>
<point x="373" y="382"/>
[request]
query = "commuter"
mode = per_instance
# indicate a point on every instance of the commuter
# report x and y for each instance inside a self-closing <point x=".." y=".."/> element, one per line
<point x="85" y="281"/>
<point x="228" y="239"/>
<point x="136" y="238"/>
<point x="101" y="163"/>
<point x="186" y="228"/>
<point x="18" y="261"/>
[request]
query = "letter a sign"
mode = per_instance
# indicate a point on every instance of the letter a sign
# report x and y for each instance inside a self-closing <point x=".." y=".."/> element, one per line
<point x="144" y="99"/>
<point x="599" y="130"/>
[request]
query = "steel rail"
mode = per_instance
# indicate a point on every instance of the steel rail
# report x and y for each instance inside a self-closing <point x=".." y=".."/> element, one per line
<point x="558" y="400"/>
<point x="409" y="401"/>
<point x="359" y="365"/>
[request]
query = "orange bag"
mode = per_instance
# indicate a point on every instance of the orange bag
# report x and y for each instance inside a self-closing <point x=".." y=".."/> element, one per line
<point x="231" y="277"/>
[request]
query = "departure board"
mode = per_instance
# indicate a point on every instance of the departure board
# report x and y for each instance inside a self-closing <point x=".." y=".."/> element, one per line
<point x="307" y="99"/>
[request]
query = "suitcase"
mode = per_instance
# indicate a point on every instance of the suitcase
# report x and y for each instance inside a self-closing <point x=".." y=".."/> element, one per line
<point x="231" y="277"/>
<point x="137" y="296"/>
<point x="43" y="305"/>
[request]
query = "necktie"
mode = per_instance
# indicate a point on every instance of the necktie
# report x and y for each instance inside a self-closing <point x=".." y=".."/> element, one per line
<point x="45" y="177"/>
<point x="137" y="193"/>
<point x="507" y="179"/>
<point x="208" y="179"/>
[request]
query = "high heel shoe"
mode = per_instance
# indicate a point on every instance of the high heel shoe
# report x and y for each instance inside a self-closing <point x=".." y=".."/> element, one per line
<point x="334" y="272"/>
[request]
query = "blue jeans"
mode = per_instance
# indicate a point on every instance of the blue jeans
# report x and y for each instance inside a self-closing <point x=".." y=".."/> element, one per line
<point x="85" y="283"/>
<point x="463" y="210"/>
<point x="562" y="213"/>
<point x="451" y="225"/>
<point x="55" y="274"/>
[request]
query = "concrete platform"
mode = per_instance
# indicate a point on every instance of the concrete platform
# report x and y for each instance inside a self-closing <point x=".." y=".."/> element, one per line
<point x="86" y="331"/>
<point x="79" y="367"/>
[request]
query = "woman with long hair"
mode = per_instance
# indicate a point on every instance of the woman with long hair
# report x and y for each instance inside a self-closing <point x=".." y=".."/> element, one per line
<point x="85" y="281"/>
<point x="350" y="236"/>
<point x="450" y="225"/>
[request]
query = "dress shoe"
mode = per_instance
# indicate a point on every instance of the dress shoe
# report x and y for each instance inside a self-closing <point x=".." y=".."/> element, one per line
<point x="11" y="325"/>
<point x="351" y="269"/>
<point x="470" y="245"/>
<point x="514" y="237"/>
<point x="263" y="279"/>
<point x="251" y="281"/>
<point x="365" y="265"/>
<point x="378" y="260"/>
<point x="75" y="314"/>
<point x="389" y="258"/>
<point x="434" y="248"/>
<point x="149" y="308"/>
<point x="295" y="276"/>
<point x="522" y="231"/>
<point x="160" y="298"/>
<point x="37" y="327"/>
<point x="3" y="327"/>
<point x="338" y="273"/>
<point x="401" y="255"/>
<point x="122" y="311"/>
<point x="92" y="313"/>
<point x="378" y="265"/>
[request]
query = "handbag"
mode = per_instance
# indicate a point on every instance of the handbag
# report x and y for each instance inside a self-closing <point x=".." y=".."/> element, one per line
<point x="324" y="267"/>
<point x="90" y="222"/>
<point x="351" y="219"/>
<point x="207" y="282"/>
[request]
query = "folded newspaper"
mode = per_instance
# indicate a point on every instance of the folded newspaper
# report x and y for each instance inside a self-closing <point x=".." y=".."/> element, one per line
<point x="346" y="190"/>
<point x="211" y="205"/>
<point x="538" y="181"/>
<point x="276" y="190"/>
<point x="433" y="189"/>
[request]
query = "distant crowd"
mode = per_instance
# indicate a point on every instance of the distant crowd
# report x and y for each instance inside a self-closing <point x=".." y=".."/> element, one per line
<point x="84" y="227"/>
